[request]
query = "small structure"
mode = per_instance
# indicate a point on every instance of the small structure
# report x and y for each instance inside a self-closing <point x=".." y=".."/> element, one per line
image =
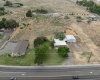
<point x="59" y="43"/>
<point x="93" y="18"/>
<point x="70" y="38"/>
<point x="21" y="48"/>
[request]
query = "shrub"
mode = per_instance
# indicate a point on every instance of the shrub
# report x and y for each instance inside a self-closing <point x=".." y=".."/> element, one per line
<point x="59" y="35"/>
<point x="42" y="11"/>
<point x="63" y="51"/>
<point x="29" y="13"/>
<point x="66" y="17"/>
<point x="78" y="17"/>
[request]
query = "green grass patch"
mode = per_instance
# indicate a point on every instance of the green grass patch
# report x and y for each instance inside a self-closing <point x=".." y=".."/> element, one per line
<point x="1" y="36"/>
<point x="54" y="58"/>
<point x="28" y="59"/>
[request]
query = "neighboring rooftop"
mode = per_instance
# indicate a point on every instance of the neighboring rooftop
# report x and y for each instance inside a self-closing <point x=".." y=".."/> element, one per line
<point x="21" y="48"/>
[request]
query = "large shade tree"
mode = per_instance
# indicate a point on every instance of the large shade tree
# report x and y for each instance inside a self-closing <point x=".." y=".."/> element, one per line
<point x="39" y="41"/>
<point x="41" y="53"/>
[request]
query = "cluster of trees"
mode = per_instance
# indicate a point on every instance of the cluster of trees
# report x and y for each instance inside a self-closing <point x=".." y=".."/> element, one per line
<point x="2" y="11"/>
<point x="41" y="50"/>
<point x="91" y="6"/>
<point x="86" y="3"/>
<point x="42" y="11"/>
<point x="8" y="23"/>
<point x="95" y="9"/>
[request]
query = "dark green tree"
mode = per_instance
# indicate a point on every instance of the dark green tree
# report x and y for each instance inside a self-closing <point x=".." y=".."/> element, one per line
<point x="63" y="51"/>
<point x="29" y="13"/>
<point x="11" y="24"/>
<point x="41" y="53"/>
<point x="39" y="41"/>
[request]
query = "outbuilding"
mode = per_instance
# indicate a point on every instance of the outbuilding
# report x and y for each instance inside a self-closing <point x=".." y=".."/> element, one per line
<point x="70" y="38"/>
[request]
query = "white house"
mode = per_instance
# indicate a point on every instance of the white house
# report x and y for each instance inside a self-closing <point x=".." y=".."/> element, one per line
<point x="59" y="43"/>
<point x="70" y="38"/>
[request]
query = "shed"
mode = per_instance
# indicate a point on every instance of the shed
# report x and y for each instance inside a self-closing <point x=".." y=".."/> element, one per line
<point x="70" y="38"/>
<point x="59" y="43"/>
<point x="21" y="48"/>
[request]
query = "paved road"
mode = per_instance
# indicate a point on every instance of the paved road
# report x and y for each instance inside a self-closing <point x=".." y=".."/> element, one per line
<point x="55" y="78"/>
<point x="51" y="73"/>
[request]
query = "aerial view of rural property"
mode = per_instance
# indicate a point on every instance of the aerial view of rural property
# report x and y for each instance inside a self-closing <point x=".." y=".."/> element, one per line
<point x="49" y="39"/>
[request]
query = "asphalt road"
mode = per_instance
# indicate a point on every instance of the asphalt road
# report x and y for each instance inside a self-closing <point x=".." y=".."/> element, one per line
<point x="51" y="73"/>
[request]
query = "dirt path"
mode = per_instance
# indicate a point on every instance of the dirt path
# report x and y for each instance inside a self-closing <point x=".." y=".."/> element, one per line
<point x="85" y="39"/>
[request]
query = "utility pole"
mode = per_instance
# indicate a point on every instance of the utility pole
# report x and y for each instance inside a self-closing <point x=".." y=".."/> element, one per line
<point x="90" y="57"/>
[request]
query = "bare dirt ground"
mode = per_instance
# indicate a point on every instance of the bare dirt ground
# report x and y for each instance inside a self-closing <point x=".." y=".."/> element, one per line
<point x="88" y="35"/>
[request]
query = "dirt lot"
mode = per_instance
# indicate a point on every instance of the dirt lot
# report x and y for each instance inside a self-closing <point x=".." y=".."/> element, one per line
<point x="88" y="35"/>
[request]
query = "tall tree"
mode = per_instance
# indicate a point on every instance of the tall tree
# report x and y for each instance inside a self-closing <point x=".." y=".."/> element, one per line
<point x="41" y="53"/>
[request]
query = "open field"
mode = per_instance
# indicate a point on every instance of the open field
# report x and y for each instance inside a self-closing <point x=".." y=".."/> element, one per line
<point x="88" y="35"/>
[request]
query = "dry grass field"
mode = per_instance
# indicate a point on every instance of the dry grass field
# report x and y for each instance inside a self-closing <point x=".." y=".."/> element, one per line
<point x="88" y="35"/>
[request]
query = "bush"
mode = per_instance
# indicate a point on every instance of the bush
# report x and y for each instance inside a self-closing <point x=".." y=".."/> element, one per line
<point x="63" y="51"/>
<point x="59" y="35"/>
<point x="66" y="17"/>
<point x="29" y="13"/>
<point x="78" y="17"/>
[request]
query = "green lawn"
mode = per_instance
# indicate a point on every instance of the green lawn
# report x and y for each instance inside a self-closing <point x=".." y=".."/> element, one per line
<point x="54" y="58"/>
<point x="28" y="59"/>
